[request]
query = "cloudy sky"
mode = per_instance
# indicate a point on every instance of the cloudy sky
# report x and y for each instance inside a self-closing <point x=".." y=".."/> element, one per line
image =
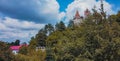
<point x="21" y="19"/>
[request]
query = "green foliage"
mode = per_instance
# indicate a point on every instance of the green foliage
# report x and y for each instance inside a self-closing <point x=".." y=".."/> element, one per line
<point x="32" y="56"/>
<point x="32" y="44"/>
<point x="71" y="24"/>
<point x="16" y="43"/>
<point x="49" y="28"/>
<point x="23" y="50"/>
<point x="60" y="26"/>
<point x="5" y="53"/>
<point x="118" y="17"/>
<point x="41" y="37"/>
<point x="96" y="39"/>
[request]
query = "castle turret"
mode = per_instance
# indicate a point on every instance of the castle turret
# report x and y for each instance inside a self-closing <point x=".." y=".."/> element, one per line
<point x="77" y="15"/>
<point x="77" y="18"/>
<point x="87" y="13"/>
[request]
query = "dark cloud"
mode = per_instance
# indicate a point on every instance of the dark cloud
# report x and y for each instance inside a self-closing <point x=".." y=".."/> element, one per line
<point x="42" y="11"/>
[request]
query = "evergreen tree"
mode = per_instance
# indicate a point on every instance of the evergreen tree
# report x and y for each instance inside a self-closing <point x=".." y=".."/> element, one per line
<point x="23" y="50"/>
<point x="49" y="28"/>
<point x="71" y="24"/>
<point x="60" y="26"/>
<point x="89" y="42"/>
<point x="41" y="37"/>
<point x="17" y="42"/>
<point x="118" y="17"/>
<point x="5" y="52"/>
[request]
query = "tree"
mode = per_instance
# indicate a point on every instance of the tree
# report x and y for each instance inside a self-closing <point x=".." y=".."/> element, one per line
<point x="49" y="28"/>
<point x="118" y="17"/>
<point x="41" y="37"/>
<point x="71" y="24"/>
<point x="32" y="43"/>
<point x="60" y="26"/>
<point x="17" y="42"/>
<point x="5" y="52"/>
<point x="90" y="41"/>
<point x="23" y="50"/>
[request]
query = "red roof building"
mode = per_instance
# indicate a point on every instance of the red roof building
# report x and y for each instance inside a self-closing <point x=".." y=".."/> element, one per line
<point x="15" y="49"/>
<point x="77" y="18"/>
<point x="86" y="13"/>
<point x="77" y="15"/>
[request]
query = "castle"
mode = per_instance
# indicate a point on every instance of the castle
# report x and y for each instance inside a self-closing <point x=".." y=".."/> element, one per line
<point x="78" y="19"/>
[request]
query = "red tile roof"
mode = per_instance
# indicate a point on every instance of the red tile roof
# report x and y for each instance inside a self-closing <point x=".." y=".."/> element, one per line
<point x="77" y="15"/>
<point x="87" y="12"/>
<point x="15" y="47"/>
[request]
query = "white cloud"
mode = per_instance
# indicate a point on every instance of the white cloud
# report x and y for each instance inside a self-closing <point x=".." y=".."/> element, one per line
<point x="43" y="11"/>
<point x="61" y="16"/>
<point x="107" y="7"/>
<point x="81" y="5"/>
<point x="15" y="23"/>
<point x="15" y="29"/>
<point x="49" y="8"/>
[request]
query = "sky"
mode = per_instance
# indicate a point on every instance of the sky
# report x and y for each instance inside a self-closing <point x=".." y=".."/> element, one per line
<point x="22" y="19"/>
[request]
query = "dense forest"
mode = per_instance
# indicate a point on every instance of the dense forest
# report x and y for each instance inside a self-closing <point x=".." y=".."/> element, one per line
<point x="97" y="38"/>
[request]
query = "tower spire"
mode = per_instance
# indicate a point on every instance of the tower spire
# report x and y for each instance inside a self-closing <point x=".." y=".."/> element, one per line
<point x="77" y="18"/>
<point x="77" y="15"/>
<point x="102" y="8"/>
<point x="86" y="12"/>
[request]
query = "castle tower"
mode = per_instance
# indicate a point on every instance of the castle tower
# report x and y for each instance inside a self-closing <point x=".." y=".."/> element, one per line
<point x="87" y="13"/>
<point x="102" y="8"/>
<point x="77" y="15"/>
<point x="77" y="18"/>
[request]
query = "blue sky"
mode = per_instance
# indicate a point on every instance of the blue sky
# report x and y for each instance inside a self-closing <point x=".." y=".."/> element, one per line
<point x="116" y="4"/>
<point x="64" y="3"/>
<point x="22" y="19"/>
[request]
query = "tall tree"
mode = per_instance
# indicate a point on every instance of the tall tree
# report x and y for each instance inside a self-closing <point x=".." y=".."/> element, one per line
<point x="60" y="26"/>
<point x="89" y="42"/>
<point x="71" y="24"/>
<point x="17" y="42"/>
<point x="41" y="37"/>
<point x="118" y="17"/>
<point x="5" y="52"/>
<point x="49" y="28"/>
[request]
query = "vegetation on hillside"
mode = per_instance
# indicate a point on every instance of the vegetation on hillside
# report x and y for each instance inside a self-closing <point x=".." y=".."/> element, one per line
<point x="96" y="39"/>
